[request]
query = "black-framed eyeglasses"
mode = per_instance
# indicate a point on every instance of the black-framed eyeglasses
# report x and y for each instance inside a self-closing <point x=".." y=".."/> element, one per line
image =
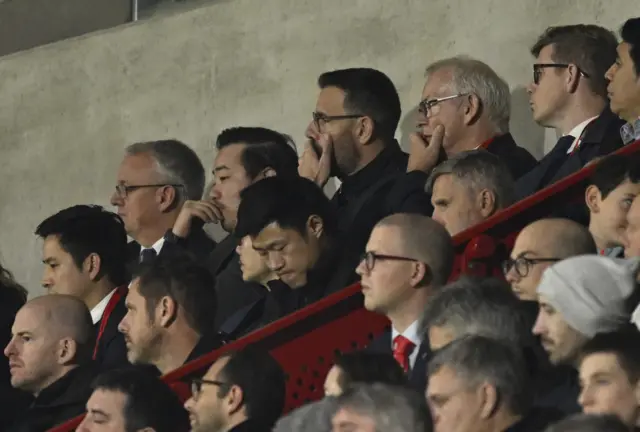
<point x="197" y="383"/>
<point x="537" y="70"/>
<point x="370" y="258"/>
<point x="523" y="265"/>
<point x="320" y="119"/>
<point x="425" y="107"/>
<point x="124" y="190"/>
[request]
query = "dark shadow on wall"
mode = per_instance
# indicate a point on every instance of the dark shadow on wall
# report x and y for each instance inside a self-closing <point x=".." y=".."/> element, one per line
<point x="408" y="125"/>
<point x="525" y="131"/>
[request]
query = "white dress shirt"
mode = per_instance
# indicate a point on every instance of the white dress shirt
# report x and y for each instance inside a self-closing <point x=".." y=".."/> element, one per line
<point x="98" y="310"/>
<point x="577" y="132"/>
<point x="157" y="246"/>
<point x="410" y="333"/>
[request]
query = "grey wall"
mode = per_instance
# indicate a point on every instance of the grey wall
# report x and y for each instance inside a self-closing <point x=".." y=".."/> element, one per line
<point x="68" y="109"/>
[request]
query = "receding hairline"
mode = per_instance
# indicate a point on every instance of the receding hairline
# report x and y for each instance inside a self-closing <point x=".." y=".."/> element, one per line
<point x="63" y="314"/>
<point x="565" y="238"/>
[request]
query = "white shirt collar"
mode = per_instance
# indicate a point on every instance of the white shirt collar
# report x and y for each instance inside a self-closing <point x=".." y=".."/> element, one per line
<point x="157" y="246"/>
<point x="410" y="333"/>
<point x="98" y="310"/>
<point x="577" y="131"/>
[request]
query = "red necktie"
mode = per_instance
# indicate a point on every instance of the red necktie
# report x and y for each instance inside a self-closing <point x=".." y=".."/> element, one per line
<point x="402" y="348"/>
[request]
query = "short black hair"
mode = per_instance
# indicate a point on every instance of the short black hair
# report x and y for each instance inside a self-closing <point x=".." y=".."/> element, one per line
<point x="613" y="170"/>
<point x="369" y="367"/>
<point x="630" y="33"/>
<point x="624" y="344"/>
<point x="262" y="381"/>
<point x="179" y="276"/>
<point x="368" y="92"/>
<point x="85" y="229"/>
<point x="265" y="148"/>
<point x="590" y="47"/>
<point x="287" y="201"/>
<point x="150" y="403"/>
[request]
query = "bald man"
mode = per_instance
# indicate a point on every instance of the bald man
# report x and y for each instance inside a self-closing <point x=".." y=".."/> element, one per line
<point x="407" y="258"/>
<point x="538" y="246"/>
<point x="50" y="358"/>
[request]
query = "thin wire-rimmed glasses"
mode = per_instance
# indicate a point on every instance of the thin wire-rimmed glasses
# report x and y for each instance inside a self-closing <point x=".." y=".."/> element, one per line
<point x="523" y="265"/>
<point x="425" y="107"/>
<point x="124" y="190"/>
<point x="537" y="70"/>
<point x="197" y="383"/>
<point x="369" y="259"/>
<point x="320" y="119"/>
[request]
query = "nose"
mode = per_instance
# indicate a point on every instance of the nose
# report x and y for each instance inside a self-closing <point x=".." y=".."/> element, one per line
<point x="9" y="349"/>
<point x="47" y="280"/>
<point x="585" y="399"/>
<point x="122" y="326"/>
<point x="361" y="270"/>
<point x="511" y="275"/>
<point x="437" y="216"/>
<point x="610" y="72"/>
<point x="538" y="327"/>
<point x="530" y="88"/>
<point x="188" y="405"/>
<point x="82" y="427"/>
<point x="275" y="262"/>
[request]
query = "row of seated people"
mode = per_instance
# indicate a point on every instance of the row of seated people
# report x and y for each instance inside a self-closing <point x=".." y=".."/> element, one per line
<point x="290" y="245"/>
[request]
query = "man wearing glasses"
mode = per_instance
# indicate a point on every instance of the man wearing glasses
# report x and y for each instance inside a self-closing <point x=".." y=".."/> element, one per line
<point x="569" y="94"/>
<point x="538" y="246"/>
<point x="465" y="106"/>
<point x="241" y="391"/>
<point x="407" y="258"/>
<point x="351" y="137"/>
<point x="154" y="180"/>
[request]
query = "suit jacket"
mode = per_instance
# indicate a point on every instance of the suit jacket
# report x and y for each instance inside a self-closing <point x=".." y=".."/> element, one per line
<point x="112" y="350"/>
<point x="417" y="374"/>
<point x="517" y="159"/>
<point x="601" y="137"/>
<point x="198" y="244"/>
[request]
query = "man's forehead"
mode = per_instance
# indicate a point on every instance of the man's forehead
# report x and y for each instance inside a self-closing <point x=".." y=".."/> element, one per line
<point x="382" y="235"/>
<point x="29" y="319"/>
<point x="136" y="167"/>
<point x="269" y="234"/>
<point x="443" y="378"/>
<point x="229" y="155"/>
<point x="437" y="83"/>
<point x="331" y="101"/>
<point x="216" y="367"/>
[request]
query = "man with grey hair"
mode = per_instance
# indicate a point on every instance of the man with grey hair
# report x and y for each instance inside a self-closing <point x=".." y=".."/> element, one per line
<point x="407" y="259"/>
<point x="468" y="188"/>
<point x="50" y="358"/>
<point x="313" y="417"/>
<point x="465" y="106"/>
<point x="381" y="408"/>
<point x="154" y="180"/>
<point x="479" y="384"/>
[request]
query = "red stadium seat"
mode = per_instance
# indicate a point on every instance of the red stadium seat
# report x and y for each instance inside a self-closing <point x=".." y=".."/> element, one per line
<point x="307" y="341"/>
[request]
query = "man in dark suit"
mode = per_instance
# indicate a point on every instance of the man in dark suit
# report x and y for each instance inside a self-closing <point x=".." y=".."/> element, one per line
<point x="569" y="94"/>
<point x="244" y="156"/>
<point x="407" y="258"/>
<point x="155" y="178"/>
<point x="471" y="105"/>
<point x="84" y="255"/>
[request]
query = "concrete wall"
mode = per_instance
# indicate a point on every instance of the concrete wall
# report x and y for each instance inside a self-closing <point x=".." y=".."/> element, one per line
<point x="68" y="109"/>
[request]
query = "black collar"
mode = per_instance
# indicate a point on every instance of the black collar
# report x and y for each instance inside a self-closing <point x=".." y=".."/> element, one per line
<point x="206" y="344"/>
<point x="390" y="159"/>
<point x="74" y="387"/>
<point x="598" y="130"/>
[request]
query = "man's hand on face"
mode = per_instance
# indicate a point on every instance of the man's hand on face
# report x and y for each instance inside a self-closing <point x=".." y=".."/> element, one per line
<point x="425" y="151"/>
<point x="316" y="169"/>
<point x="206" y="210"/>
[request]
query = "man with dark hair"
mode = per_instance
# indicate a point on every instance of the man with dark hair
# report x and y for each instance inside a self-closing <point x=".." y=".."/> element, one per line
<point x="244" y="156"/>
<point x="170" y="313"/>
<point x="293" y="226"/>
<point x="408" y="258"/>
<point x="84" y="254"/>
<point x="50" y="358"/>
<point x="538" y="246"/>
<point x="612" y="188"/>
<point x="610" y="376"/>
<point x="624" y="77"/>
<point x="131" y="400"/>
<point x="569" y="94"/>
<point x="241" y="391"/>
<point x="351" y="137"/>
<point x="154" y="180"/>
<point x="477" y="383"/>
<point x="363" y="367"/>
<point x="468" y="188"/>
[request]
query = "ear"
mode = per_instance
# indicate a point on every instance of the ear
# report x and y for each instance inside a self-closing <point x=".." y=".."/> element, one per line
<point x="473" y="108"/>
<point x="315" y="226"/>
<point x="364" y="130"/>
<point x="573" y="78"/>
<point x="166" y="310"/>
<point x="592" y="198"/>
<point x="167" y="198"/>
<point x="235" y="399"/>
<point x="92" y="265"/>
<point x="490" y="399"/>
<point x="67" y="350"/>
<point x="421" y="275"/>
<point x="487" y="203"/>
